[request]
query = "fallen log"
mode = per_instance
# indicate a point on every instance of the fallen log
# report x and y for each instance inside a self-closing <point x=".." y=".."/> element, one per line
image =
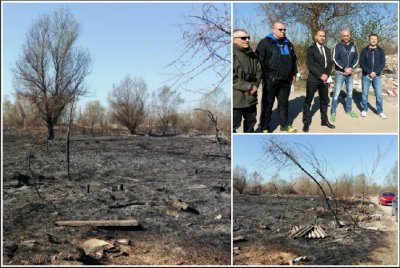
<point x="100" y="223"/>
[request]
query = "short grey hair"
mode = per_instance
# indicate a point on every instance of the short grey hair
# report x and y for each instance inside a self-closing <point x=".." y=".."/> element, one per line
<point x="236" y="31"/>
<point x="345" y="30"/>
<point x="276" y="22"/>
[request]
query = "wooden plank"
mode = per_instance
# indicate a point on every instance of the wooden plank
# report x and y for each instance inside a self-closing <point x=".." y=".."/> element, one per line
<point x="313" y="234"/>
<point x="238" y="238"/>
<point x="99" y="223"/>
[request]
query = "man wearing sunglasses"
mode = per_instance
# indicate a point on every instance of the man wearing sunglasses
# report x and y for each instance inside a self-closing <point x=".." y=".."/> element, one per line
<point x="246" y="79"/>
<point x="278" y="62"/>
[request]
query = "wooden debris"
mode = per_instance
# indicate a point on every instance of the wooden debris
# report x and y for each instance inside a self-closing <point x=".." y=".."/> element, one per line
<point x="239" y="238"/>
<point x="100" y="223"/>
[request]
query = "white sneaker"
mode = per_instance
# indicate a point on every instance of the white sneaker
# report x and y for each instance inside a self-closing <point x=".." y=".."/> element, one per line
<point x="363" y="113"/>
<point x="382" y="115"/>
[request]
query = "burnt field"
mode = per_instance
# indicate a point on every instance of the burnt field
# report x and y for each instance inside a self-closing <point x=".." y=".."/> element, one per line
<point x="262" y="225"/>
<point x="176" y="188"/>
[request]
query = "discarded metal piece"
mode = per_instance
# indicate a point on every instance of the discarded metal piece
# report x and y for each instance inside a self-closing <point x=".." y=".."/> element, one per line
<point x="239" y="238"/>
<point x="100" y="223"/>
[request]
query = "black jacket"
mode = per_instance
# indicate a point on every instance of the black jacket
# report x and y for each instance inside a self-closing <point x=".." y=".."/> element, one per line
<point x="275" y="64"/>
<point x="372" y="60"/>
<point x="316" y="63"/>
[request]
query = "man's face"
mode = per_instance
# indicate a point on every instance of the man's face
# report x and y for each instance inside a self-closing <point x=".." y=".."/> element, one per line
<point x="279" y="30"/>
<point x="373" y="40"/>
<point x="345" y="36"/>
<point x="320" y="37"/>
<point x="241" y="39"/>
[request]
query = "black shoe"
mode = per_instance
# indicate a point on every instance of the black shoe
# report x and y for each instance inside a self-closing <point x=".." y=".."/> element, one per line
<point x="327" y="124"/>
<point x="306" y="128"/>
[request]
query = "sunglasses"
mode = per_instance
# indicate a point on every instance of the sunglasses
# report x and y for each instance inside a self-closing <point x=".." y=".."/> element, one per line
<point x="281" y="30"/>
<point x="244" y="38"/>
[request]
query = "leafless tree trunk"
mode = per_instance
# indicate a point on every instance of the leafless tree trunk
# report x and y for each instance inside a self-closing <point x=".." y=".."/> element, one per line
<point x="51" y="69"/>
<point x="217" y="130"/>
<point x="128" y="101"/>
<point x="283" y="154"/>
<point x="70" y="123"/>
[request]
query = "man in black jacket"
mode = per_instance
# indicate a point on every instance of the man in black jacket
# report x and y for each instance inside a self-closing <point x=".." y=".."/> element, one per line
<point x="319" y="66"/>
<point x="278" y="61"/>
<point x="372" y="61"/>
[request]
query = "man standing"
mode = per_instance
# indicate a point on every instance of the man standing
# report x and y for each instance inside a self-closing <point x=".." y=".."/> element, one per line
<point x="278" y="62"/>
<point x="345" y="56"/>
<point x="247" y="74"/>
<point x="319" y="66"/>
<point x="372" y="61"/>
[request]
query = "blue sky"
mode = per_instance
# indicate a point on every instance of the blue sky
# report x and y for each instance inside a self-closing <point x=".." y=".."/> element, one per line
<point x="344" y="153"/>
<point x="139" y="39"/>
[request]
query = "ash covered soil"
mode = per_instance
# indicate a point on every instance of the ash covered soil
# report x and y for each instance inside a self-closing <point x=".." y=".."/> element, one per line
<point x="117" y="178"/>
<point x="262" y="221"/>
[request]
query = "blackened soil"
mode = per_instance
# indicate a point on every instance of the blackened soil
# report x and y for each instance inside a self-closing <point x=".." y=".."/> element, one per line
<point x="115" y="178"/>
<point x="265" y="222"/>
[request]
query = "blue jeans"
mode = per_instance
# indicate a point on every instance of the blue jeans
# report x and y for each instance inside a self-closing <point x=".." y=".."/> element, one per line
<point x="339" y="79"/>
<point x="377" y="86"/>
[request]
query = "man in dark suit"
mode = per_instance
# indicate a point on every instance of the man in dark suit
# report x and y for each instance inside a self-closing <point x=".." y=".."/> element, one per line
<point x="319" y="66"/>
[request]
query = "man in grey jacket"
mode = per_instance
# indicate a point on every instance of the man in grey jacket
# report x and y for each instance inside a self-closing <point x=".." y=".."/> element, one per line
<point x="345" y="56"/>
<point x="247" y="74"/>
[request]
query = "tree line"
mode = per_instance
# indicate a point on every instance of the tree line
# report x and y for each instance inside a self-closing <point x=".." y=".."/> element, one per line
<point x="49" y="79"/>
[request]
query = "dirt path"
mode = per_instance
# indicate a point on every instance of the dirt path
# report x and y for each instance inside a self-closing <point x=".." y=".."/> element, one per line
<point x="344" y="123"/>
<point x="387" y="255"/>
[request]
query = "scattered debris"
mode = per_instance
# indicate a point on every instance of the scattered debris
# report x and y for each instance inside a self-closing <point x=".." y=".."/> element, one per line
<point x="172" y="213"/>
<point x="181" y="205"/>
<point x="298" y="260"/>
<point x="218" y="217"/>
<point x="29" y="243"/>
<point x="126" y="242"/>
<point x="239" y="238"/>
<point x="309" y="231"/>
<point x="95" y="245"/>
<point x="263" y="226"/>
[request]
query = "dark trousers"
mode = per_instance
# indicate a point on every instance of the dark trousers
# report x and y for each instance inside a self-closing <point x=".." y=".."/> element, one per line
<point x="250" y="118"/>
<point x="275" y="89"/>
<point x="323" y="98"/>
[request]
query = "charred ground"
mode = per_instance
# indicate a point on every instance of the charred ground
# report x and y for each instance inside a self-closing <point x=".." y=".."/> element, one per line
<point x="264" y="221"/>
<point x="128" y="178"/>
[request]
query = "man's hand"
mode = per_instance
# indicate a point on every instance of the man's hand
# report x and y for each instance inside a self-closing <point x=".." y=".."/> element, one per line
<point x="324" y="77"/>
<point x="372" y="75"/>
<point x="252" y="90"/>
<point x="348" y="71"/>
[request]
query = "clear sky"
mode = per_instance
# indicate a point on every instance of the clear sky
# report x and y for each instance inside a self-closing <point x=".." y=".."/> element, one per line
<point x="343" y="153"/>
<point x="139" y="39"/>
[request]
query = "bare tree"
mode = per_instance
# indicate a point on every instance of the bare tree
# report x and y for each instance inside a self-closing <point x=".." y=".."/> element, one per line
<point x="51" y="69"/>
<point x="206" y="35"/>
<point x="94" y="113"/>
<point x="127" y="101"/>
<point x="282" y="155"/>
<point x="239" y="178"/>
<point x="165" y="104"/>
<point x="312" y="16"/>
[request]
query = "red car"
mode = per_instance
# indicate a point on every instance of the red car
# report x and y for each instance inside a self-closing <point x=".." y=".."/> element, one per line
<point x="386" y="198"/>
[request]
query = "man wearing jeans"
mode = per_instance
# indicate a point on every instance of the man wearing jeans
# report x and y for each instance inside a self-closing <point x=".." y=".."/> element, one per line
<point x="345" y="56"/>
<point x="372" y="61"/>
